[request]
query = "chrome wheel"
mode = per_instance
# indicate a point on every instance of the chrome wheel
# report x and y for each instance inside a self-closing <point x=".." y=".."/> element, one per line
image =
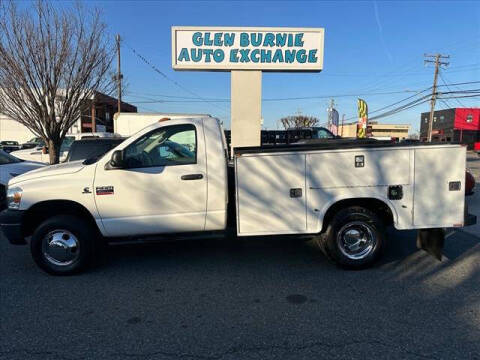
<point x="61" y="247"/>
<point x="356" y="240"/>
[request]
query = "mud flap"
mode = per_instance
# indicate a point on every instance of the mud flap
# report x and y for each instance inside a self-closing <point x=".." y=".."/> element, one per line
<point x="432" y="241"/>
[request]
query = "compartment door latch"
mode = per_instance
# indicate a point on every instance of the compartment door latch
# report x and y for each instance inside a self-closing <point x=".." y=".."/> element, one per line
<point x="296" y="193"/>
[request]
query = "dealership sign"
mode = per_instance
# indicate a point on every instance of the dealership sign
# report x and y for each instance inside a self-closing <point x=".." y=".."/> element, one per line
<point x="232" y="48"/>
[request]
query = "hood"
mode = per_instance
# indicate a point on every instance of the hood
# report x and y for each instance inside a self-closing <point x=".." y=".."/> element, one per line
<point x="52" y="170"/>
<point x="24" y="166"/>
<point x="24" y="151"/>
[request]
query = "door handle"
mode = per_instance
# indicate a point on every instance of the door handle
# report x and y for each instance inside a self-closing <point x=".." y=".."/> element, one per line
<point x="192" y="177"/>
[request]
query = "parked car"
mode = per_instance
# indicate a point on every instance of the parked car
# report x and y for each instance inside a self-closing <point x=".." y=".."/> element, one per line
<point x="91" y="148"/>
<point x="476" y="147"/>
<point x="40" y="151"/>
<point x="32" y="143"/>
<point x="9" y="146"/>
<point x="10" y="166"/>
<point x="171" y="178"/>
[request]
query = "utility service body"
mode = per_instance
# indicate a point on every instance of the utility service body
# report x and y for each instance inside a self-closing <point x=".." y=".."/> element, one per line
<point x="248" y="47"/>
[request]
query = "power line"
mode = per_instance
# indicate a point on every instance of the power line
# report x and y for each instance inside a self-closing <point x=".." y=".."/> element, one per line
<point x="422" y="100"/>
<point x="161" y="73"/>
<point x="466" y="67"/>
<point x="443" y="80"/>
<point x="290" y="98"/>
<point x="463" y="96"/>
<point x="353" y="94"/>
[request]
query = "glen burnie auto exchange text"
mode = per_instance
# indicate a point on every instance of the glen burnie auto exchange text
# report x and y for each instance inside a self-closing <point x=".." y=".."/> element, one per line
<point x="259" y="53"/>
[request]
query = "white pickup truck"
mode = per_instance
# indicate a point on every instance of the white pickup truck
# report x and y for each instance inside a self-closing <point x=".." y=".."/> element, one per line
<point x="171" y="178"/>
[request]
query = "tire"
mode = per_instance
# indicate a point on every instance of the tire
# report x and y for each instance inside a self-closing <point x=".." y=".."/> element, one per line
<point x="63" y="245"/>
<point x="355" y="238"/>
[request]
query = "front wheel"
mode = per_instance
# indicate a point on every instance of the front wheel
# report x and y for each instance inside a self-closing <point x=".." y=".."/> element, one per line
<point x="63" y="245"/>
<point x="355" y="238"/>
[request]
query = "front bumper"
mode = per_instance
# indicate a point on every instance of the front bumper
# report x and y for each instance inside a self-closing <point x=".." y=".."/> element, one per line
<point x="11" y="226"/>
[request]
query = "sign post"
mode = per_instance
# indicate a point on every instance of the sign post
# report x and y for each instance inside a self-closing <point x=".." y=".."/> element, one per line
<point x="246" y="52"/>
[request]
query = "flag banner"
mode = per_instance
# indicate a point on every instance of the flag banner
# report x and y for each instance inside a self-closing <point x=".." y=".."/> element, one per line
<point x="334" y="129"/>
<point x="333" y="121"/>
<point x="335" y="117"/>
<point x="362" y="119"/>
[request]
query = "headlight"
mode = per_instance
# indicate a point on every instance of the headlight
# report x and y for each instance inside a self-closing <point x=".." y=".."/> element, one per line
<point x="14" y="196"/>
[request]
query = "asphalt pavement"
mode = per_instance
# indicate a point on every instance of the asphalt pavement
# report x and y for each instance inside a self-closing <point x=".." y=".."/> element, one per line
<point x="257" y="299"/>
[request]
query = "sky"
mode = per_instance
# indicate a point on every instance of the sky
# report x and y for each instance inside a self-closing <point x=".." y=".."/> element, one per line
<point x="371" y="48"/>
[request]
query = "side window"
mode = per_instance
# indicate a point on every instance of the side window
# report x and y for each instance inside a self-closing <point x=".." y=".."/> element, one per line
<point x="323" y="134"/>
<point x="167" y="146"/>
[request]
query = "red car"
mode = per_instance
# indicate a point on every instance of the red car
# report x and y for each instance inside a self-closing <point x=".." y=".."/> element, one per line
<point x="476" y="147"/>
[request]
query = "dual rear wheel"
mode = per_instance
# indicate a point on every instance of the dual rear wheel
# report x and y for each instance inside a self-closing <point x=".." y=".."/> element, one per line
<point x="355" y="238"/>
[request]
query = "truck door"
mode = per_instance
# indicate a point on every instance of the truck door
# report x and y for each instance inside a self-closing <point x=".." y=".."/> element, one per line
<point x="162" y="187"/>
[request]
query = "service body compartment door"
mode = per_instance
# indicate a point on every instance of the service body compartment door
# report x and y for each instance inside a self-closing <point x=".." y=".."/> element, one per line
<point x="357" y="168"/>
<point x="438" y="198"/>
<point x="271" y="196"/>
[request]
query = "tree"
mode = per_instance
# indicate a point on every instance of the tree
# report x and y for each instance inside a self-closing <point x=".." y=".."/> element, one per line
<point x="298" y="121"/>
<point x="52" y="62"/>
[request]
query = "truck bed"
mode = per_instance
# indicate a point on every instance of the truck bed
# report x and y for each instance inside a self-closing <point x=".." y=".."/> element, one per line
<point x="289" y="189"/>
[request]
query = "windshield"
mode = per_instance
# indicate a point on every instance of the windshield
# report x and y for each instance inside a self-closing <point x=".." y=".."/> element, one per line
<point x="6" y="158"/>
<point x="67" y="142"/>
<point x="322" y="134"/>
<point x="92" y="152"/>
<point x="35" y="140"/>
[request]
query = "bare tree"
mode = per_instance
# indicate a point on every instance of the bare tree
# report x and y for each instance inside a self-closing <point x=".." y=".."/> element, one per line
<point x="298" y="121"/>
<point x="52" y="62"/>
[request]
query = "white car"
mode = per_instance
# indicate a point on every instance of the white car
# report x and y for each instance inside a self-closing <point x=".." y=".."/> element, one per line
<point x="40" y="153"/>
<point x="10" y="166"/>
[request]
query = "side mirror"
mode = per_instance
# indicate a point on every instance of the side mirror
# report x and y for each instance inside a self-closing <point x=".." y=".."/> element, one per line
<point x="44" y="150"/>
<point x="117" y="159"/>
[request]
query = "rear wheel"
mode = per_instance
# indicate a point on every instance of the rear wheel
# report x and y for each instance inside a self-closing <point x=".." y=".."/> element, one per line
<point x="63" y="245"/>
<point x="354" y="239"/>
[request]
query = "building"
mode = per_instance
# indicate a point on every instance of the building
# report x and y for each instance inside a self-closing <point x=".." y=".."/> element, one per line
<point x="98" y="116"/>
<point x="392" y="131"/>
<point x="458" y="125"/>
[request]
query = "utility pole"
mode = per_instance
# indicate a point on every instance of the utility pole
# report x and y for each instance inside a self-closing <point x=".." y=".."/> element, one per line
<point x="119" y="76"/>
<point x="437" y="61"/>
<point x="343" y="123"/>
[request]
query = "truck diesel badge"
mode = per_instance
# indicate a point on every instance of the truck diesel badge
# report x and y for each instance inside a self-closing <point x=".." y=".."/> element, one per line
<point x="104" y="190"/>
